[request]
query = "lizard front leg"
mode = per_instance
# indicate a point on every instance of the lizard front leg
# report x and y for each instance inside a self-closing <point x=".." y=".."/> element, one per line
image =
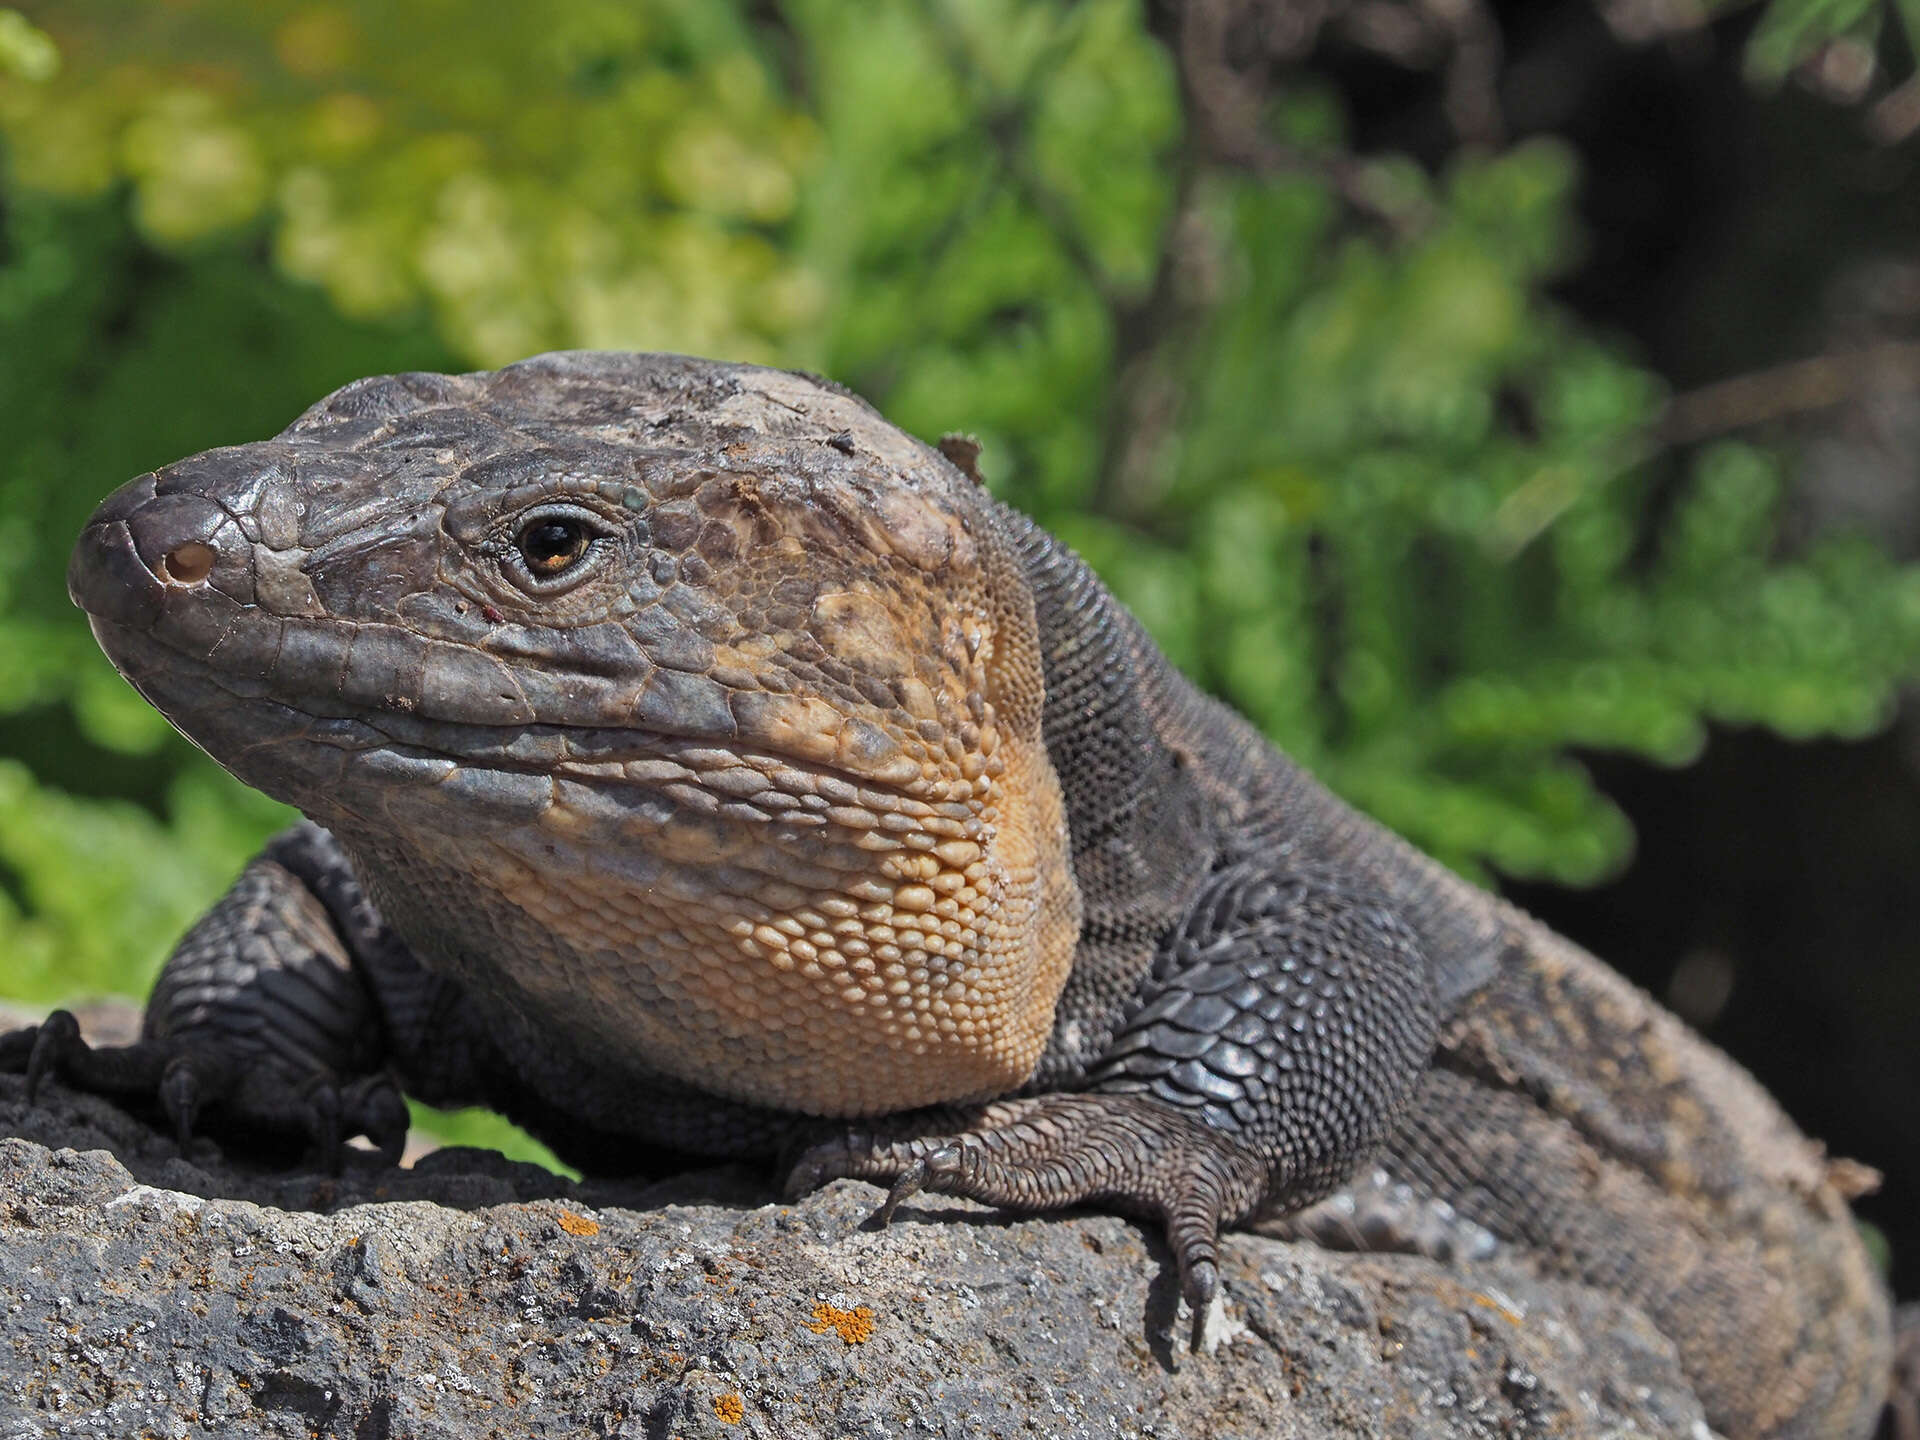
<point x="1284" y="1026"/>
<point x="260" y="1021"/>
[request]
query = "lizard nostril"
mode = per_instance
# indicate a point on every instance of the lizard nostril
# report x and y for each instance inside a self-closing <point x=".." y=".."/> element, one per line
<point x="188" y="564"/>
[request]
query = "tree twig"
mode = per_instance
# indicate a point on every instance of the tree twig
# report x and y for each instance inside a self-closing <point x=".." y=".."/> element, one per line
<point x="1227" y="107"/>
<point x="1472" y="69"/>
<point x="1799" y="387"/>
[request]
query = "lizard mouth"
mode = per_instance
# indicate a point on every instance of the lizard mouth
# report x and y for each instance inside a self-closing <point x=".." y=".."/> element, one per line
<point x="225" y="635"/>
<point x="277" y="739"/>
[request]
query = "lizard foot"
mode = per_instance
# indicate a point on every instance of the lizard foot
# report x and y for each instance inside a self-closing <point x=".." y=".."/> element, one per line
<point x="258" y="1023"/>
<point x="1287" y="1019"/>
<point x="1049" y="1151"/>
<point x="188" y="1080"/>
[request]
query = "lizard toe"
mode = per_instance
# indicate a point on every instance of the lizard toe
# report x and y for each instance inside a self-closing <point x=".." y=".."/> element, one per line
<point x="881" y="1156"/>
<point x="940" y="1171"/>
<point x="373" y="1106"/>
<point x="55" y="1041"/>
<point x="181" y="1093"/>
<point x="817" y="1165"/>
<point x="1050" y="1151"/>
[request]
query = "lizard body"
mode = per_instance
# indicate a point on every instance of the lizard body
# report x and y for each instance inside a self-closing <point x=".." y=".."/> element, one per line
<point x="699" y="765"/>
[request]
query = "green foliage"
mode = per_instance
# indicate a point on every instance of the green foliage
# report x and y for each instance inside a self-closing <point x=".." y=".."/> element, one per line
<point x="485" y="1130"/>
<point x="1434" y="606"/>
<point x="25" y="51"/>
<point x="563" y="172"/>
<point x="1793" y="32"/>
<point x="1364" y="480"/>
<point x="114" y="833"/>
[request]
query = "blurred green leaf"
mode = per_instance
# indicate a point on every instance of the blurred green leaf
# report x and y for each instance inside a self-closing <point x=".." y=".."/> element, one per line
<point x="25" y="51"/>
<point x="486" y="1130"/>
<point x="1791" y="32"/>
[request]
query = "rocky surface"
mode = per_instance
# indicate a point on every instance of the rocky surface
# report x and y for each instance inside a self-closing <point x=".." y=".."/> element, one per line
<point x="147" y="1293"/>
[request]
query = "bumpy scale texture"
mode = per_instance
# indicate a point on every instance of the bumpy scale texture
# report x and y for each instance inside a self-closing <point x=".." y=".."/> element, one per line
<point x="697" y="764"/>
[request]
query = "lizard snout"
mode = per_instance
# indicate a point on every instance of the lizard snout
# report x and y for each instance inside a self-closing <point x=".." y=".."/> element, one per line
<point x="180" y="538"/>
<point x="139" y="546"/>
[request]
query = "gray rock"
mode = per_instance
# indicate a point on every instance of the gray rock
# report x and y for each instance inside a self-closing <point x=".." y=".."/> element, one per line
<point x="143" y="1292"/>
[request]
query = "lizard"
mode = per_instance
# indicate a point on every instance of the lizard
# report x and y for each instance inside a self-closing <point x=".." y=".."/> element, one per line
<point x="695" y="764"/>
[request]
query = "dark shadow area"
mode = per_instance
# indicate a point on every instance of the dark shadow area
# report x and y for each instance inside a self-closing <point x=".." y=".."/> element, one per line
<point x="459" y="1177"/>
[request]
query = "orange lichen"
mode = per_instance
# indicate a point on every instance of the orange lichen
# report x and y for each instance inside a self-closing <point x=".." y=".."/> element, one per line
<point x="854" y="1326"/>
<point x="578" y="1224"/>
<point x="1505" y="1312"/>
<point x="730" y="1407"/>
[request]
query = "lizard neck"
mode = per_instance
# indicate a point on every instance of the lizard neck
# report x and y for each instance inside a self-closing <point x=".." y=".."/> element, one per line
<point x="1164" y="785"/>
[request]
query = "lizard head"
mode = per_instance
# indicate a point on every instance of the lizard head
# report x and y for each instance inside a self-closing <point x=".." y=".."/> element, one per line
<point x="676" y="702"/>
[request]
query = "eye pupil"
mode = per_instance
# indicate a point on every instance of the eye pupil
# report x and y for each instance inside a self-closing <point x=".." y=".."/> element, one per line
<point x="551" y="546"/>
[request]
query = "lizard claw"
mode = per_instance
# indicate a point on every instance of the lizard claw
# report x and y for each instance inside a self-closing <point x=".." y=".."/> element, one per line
<point x="1193" y="1234"/>
<point x="934" y="1171"/>
<point x="924" y="1173"/>
<point x="54" y="1039"/>
<point x="181" y="1094"/>
<point x="373" y="1107"/>
<point x="1200" y="1286"/>
<point x="187" y="1083"/>
<point x="910" y="1182"/>
<point x="323" y="1125"/>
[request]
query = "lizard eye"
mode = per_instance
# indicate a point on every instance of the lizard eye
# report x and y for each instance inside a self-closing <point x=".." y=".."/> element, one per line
<point x="553" y="547"/>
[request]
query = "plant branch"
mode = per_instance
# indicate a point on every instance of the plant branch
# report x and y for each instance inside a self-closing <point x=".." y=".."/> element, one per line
<point x="1799" y="387"/>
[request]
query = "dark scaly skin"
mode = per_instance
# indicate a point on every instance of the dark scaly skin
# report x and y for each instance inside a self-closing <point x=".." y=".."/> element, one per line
<point x="820" y="806"/>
